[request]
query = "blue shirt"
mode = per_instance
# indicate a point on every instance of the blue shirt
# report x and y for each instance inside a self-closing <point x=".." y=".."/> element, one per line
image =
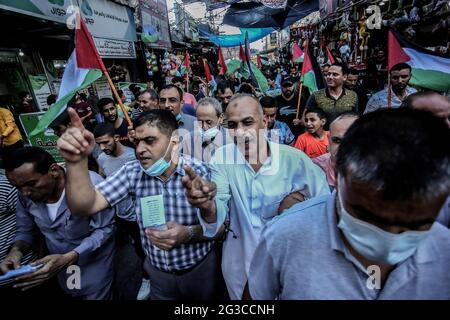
<point x="132" y="181"/>
<point x="302" y="256"/>
<point x="250" y="199"/>
<point x="280" y="133"/>
<point x="91" y="237"/>
<point x="444" y="215"/>
<point x="380" y="100"/>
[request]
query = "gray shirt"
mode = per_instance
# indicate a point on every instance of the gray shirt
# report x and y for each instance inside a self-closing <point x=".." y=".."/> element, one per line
<point x="91" y="237"/>
<point x="301" y="255"/>
<point x="110" y="165"/>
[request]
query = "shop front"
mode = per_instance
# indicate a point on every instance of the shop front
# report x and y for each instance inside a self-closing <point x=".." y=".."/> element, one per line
<point x="33" y="57"/>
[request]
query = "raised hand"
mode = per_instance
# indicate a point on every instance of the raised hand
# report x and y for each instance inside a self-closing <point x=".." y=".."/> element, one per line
<point x="76" y="143"/>
<point x="200" y="192"/>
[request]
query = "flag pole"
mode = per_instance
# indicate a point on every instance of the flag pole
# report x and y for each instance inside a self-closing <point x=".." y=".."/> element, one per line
<point x="299" y="99"/>
<point x="119" y="100"/>
<point x="80" y="24"/>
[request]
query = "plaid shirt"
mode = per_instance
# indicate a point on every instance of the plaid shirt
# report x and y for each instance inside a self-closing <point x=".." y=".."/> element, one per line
<point x="132" y="181"/>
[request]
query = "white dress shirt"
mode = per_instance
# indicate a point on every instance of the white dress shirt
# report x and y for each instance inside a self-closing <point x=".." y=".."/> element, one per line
<point x="250" y="199"/>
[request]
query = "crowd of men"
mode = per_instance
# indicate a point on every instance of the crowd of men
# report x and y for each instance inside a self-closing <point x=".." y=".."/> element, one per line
<point x="261" y="197"/>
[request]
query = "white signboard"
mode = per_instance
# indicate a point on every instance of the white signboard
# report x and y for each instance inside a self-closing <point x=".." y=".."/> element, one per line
<point x="41" y="90"/>
<point x="103" y="89"/>
<point x="55" y="10"/>
<point x="110" y="48"/>
<point x="155" y="23"/>
<point x="106" y="19"/>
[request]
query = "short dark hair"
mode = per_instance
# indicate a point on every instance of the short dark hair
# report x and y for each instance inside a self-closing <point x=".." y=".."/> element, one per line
<point x="319" y="111"/>
<point x="268" y="102"/>
<point x="104" y="129"/>
<point x="400" y="66"/>
<point x="51" y="99"/>
<point x="246" y="88"/>
<point x="163" y="119"/>
<point x="41" y="159"/>
<point x="172" y="86"/>
<point x="343" y="67"/>
<point x="23" y="94"/>
<point x="223" y="85"/>
<point x="353" y="71"/>
<point x="177" y="79"/>
<point x="62" y="120"/>
<point x="380" y="149"/>
<point x="103" y="102"/>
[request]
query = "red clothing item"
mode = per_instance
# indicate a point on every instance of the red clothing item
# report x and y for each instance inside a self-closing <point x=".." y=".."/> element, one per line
<point x="324" y="162"/>
<point x="312" y="146"/>
<point x="82" y="109"/>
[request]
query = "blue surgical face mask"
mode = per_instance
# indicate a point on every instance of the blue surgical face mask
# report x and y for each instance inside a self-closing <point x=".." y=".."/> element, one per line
<point x="210" y="133"/>
<point x="376" y="244"/>
<point x="178" y="117"/>
<point x="158" y="168"/>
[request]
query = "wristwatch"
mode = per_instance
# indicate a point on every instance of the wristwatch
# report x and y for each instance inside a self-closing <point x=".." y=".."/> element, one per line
<point x="191" y="233"/>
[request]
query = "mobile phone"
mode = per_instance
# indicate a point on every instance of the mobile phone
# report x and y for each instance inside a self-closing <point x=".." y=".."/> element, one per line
<point x="25" y="269"/>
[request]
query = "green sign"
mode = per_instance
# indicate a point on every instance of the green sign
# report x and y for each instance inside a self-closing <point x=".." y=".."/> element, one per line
<point x="45" y="140"/>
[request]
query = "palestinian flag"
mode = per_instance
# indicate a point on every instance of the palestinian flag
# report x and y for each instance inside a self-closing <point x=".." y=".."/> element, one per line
<point x="297" y="54"/>
<point x="186" y="65"/>
<point x="430" y="70"/>
<point x="250" y="71"/>
<point x="312" y="76"/>
<point x="223" y="66"/>
<point x="83" y="67"/>
<point x="329" y="56"/>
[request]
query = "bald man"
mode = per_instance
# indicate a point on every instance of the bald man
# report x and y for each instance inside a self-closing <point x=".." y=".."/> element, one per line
<point x="254" y="179"/>
<point x="338" y="128"/>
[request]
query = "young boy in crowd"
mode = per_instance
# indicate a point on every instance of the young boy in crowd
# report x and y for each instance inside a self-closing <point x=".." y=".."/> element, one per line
<point x="314" y="142"/>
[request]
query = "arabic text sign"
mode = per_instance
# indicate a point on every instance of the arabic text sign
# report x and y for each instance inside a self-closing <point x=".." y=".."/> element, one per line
<point x="45" y="140"/>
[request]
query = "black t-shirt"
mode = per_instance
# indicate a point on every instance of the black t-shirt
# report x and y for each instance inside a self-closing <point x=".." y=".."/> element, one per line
<point x="122" y="131"/>
<point x="287" y="110"/>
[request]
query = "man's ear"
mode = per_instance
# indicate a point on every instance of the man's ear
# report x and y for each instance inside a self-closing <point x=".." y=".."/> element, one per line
<point x="265" y="121"/>
<point x="220" y="119"/>
<point x="54" y="170"/>
<point x="324" y="121"/>
<point x="116" y="137"/>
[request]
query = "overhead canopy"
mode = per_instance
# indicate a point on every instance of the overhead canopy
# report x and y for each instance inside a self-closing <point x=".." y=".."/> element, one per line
<point x="257" y="15"/>
<point x="233" y="40"/>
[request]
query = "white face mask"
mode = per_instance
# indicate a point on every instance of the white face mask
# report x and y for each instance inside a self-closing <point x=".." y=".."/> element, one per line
<point x="376" y="244"/>
<point x="210" y="133"/>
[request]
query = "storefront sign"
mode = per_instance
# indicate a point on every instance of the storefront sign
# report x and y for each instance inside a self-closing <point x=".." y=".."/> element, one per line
<point x="41" y="90"/>
<point x="106" y="19"/>
<point x="155" y="21"/>
<point x="55" y="10"/>
<point x="103" y="89"/>
<point x="45" y="140"/>
<point x="109" y="48"/>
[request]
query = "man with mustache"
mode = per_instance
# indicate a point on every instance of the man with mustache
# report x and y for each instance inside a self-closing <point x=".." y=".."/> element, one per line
<point x="181" y="263"/>
<point x="400" y="76"/>
<point x="255" y="180"/>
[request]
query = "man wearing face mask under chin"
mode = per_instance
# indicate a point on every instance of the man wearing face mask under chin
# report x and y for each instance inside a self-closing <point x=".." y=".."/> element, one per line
<point x="208" y="134"/>
<point x="376" y="236"/>
<point x="178" y="257"/>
